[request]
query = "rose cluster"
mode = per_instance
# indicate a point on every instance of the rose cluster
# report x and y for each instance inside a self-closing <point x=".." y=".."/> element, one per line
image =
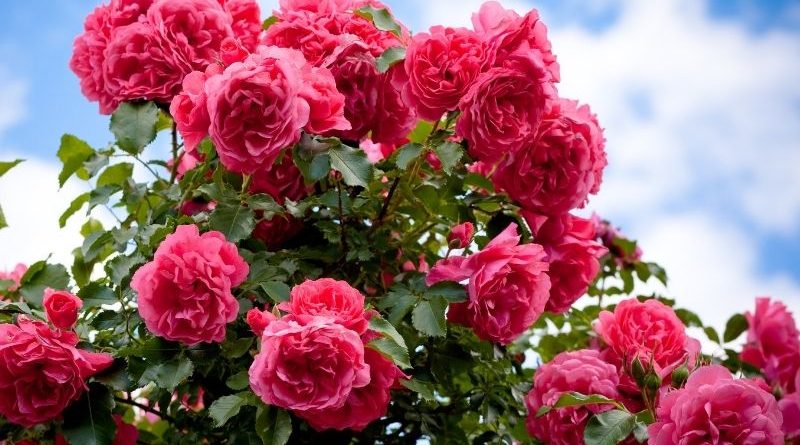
<point x="315" y="360"/>
<point x="142" y="49"/>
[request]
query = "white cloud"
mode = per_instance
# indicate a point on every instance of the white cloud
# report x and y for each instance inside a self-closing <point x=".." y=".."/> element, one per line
<point x="12" y="106"/>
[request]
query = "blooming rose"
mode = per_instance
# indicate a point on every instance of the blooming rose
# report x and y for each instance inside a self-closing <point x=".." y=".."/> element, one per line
<point x="313" y="364"/>
<point x="247" y="24"/>
<point x="185" y="292"/>
<point x="557" y="170"/>
<point x="329" y="298"/>
<point x="258" y="320"/>
<point x="127" y="434"/>
<point x="773" y="343"/>
<point x="714" y="408"/>
<point x="461" y="235"/>
<point x="14" y="275"/>
<point x="61" y="308"/>
<point x="649" y="331"/>
<point x="305" y="31"/>
<point x="507" y="33"/>
<point x="573" y="254"/>
<point x="580" y="371"/>
<point x="258" y="107"/>
<point x="441" y="66"/>
<point x="394" y="117"/>
<point x="42" y="371"/>
<point x="508" y="287"/>
<point x="364" y="405"/>
<point x="505" y="107"/>
<point x="190" y="113"/>
<point x="281" y="181"/>
<point x="790" y="410"/>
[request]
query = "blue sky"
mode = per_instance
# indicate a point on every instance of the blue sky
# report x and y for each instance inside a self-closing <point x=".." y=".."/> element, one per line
<point x="699" y="99"/>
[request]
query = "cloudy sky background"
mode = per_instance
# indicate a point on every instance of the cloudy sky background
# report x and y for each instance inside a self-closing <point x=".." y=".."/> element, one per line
<point x="700" y="100"/>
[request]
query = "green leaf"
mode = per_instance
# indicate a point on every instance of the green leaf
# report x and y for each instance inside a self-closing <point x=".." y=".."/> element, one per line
<point x="3" y="222"/>
<point x="6" y="166"/>
<point x="73" y="152"/>
<point x="390" y="57"/>
<point x="352" y="163"/>
<point x="578" y="399"/>
<point x="273" y="425"/>
<point x="120" y="267"/>
<point x="94" y="245"/>
<point x="88" y="421"/>
<point x="312" y="161"/>
<point x="609" y="428"/>
<point x="453" y="292"/>
<point x="428" y="317"/>
<point x="735" y="327"/>
<point x="382" y="326"/>
<point x="14" y="308"/>
<point x="236" y="348"/>
<point x="276" y="290"/>
<point x="406" y="154"/>
<point x="96" y="294"/>
<point x="235" y="221"/>
<point x="449" y="153"/>
<point x="391" y="350"/>
<point x="424" y="389"/>
<point x="712" y="335"/>
<point x="226" y="407"/>
<point x="238" y="381"/>
<point x="134" y="125"/>
<point x="271" y="20"/>
<point x="264" y="203"/>
<point x="116" y="174"/>
<point x="74" y="206"/>
<point x="381" y="18"/>
<point x="41" y="276"/>
<point x="169" y="374"/>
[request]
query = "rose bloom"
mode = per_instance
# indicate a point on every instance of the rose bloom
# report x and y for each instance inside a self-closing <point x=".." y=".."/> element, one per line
<point x="573" y="253"/>
<point x="258" y="107"/>
<point x="505" y="107"/>
<point x="508" y="287"/>
<point x="394" y="118"/>
<point x="507" y="33"/>
<point x="577" y="371"/>
<point x="308" y="365"/>
<point x="61" y="308"/>
<point x="42" y="371"/>
<point x="441" y="66"/>
<point x="305" y="31"/>
<point x="281" y="181"/>
<point x="258" y="320"/>
<point x="789" y="405"/>
<point x="714" y="408"/>
<point x="773" y="343"/>
<point x="330" y="298"/>
<point x="190" y="112"/>
<point x="557" y="170"/>
<point x="247" y="23"/>
<point x="364" y="405"/>
<point x="14" y="275"/>
<point x="461" y="235"/>
<point x="649" y="331"/>
<point x="185" y="291"/>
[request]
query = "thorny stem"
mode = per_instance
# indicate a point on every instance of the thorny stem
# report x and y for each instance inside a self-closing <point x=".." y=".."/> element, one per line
<point x="146" y="408"/>
<point x="175" y="158"/>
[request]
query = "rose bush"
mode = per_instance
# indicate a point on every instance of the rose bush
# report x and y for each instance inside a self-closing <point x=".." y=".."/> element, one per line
<point x="360" y="235"/>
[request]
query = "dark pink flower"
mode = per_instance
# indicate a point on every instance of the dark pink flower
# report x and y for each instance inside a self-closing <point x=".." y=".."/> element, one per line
<point x="185" y="292"/>
<point x="580" y="371"/>
<point x="14" y="275"/>
<point x="247" y="24"/>
<point x="61" y="308"/>
<point x="330" y="298"/>
<point x="773" y="343"/>
<point x="508" y="287"/>
<point x="258" y="320"/>
<point x="282" y="181"/>
<point x="714" y="408"/>
<point x="461" y="235"/>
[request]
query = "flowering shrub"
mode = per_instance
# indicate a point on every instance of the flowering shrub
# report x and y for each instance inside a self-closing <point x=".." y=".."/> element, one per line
<point x="358" y="235"/>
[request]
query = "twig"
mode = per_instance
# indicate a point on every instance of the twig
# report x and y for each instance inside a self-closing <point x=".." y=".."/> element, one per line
<point x="175" y="158"/>
<point x="146" y="408"/>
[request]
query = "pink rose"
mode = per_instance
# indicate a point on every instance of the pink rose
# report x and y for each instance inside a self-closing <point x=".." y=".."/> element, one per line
<point x="42" y="371"/>
<point x="649" y="331"/>
<point x="507" y="33"/>
<point x="309" y="365"/>
<point x="573" y="254"/>
<point x="127" y="434"/>
<point x="375" y="151"/>
<point x="247" y="24"/>
<point x="190" y="112"/>
<point x="308" y="32"/>
<point x="359" y="81"/>
<point x="61" y="308"/>
<point x="714" y="408"/>
<point x="258" y="107"/>
<point x="14" y="275"/>
<point x="185" y="291"/>
<point x="258" y="320"/>
<point x="137" y="65"/>
<point x="441" y="66"/>
<point x="327" y="297"/>
<point x="580" y="371"/>
<point x="394" y="118"/>
<point x="461" y="235"/>
<point x="317" y="6"/>
<point x="364" y="405"/>
<point x="505" y="106"/>
<point x="508" y="287"/>
<point x="281" y="181"/>
<point x="556" y="171"/>
<point x="789" y="405"/>
<point x="773" y="343"/>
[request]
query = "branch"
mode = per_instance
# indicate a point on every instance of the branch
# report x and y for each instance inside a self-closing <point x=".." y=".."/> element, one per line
<point x="146" y="408"/>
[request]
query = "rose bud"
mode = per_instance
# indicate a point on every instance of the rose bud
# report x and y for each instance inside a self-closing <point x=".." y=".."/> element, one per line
<point x="259" y="320"/>
<point x="61" y="308"/>
<point x="461" y="235"/>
